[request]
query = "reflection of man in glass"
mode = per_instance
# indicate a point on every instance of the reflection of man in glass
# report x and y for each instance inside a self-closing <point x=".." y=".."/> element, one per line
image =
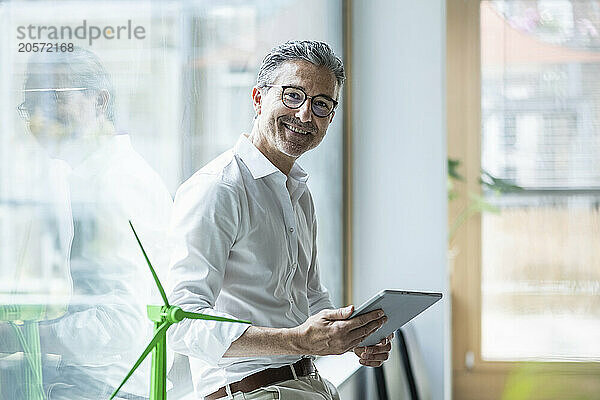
<point x="69" y="106"/>
<point x="245" y="246"/>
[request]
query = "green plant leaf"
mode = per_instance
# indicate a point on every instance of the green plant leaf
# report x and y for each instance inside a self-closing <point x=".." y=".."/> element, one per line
<point x="453" y="165"/>
<point x="497" y="184"/>
<point x="480" y="204"/>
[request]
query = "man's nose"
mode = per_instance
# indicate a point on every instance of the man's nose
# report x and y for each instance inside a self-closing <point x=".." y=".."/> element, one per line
<point x="304" y="113"/>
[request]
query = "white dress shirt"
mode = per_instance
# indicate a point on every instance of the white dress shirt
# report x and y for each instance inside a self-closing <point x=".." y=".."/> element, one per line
<point x="244" y="237"/>
<point x="105" y="327"/>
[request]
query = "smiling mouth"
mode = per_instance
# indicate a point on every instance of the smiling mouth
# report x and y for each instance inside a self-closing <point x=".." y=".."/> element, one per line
<point x="295" y="129"/>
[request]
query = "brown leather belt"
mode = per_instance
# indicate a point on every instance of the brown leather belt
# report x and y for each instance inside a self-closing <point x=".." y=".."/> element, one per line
<point x="266" y="377"/>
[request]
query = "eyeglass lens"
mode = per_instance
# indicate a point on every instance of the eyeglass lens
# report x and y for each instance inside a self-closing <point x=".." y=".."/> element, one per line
<point x="46" y="101"/>
<point x="322" y="106"/>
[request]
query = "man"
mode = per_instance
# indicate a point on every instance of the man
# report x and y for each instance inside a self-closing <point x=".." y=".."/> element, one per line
<point x="244" y="231"/>
<point x="90" y="346"/>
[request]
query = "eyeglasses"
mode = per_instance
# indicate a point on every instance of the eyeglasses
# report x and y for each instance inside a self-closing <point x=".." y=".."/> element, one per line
<point x="293" y="97"/>
<point x="45" y="98"/>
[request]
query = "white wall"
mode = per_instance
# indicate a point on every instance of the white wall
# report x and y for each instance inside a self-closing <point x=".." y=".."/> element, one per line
<point x="399" y="150"/>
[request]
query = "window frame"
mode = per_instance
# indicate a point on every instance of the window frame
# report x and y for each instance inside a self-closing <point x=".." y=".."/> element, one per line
<point x="473" y="377"/>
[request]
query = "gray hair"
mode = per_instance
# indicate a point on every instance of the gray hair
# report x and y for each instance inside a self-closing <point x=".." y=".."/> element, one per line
<point x="317" y="53"/>
<point x="79" y="68"/>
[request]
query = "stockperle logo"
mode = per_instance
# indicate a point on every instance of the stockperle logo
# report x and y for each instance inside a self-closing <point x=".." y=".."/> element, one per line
<point x="84" y="31"/>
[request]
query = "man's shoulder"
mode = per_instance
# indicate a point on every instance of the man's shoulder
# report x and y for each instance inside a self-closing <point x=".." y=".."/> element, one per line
<point x="222" y="172"/>
<point x="221" y="165"/>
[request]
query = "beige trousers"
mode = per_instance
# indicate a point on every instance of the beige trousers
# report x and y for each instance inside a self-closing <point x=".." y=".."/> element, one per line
<point x="311" y="387"/>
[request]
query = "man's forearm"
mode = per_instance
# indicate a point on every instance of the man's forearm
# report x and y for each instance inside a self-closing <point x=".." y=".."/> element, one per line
<point x="260" y="341"/>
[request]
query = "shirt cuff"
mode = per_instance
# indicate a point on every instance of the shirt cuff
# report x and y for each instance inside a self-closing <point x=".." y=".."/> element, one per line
<point x="209" y="340"/>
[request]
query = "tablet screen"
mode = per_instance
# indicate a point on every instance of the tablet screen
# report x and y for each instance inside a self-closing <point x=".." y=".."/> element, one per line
<point x="400" y="306"/>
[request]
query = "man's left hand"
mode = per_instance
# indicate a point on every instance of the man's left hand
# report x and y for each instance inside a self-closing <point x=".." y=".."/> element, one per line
<point x="374" y="356"/>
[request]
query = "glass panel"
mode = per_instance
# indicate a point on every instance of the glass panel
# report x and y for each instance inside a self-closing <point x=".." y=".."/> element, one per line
<point x="541" y="130"/>
<point x="224" y="53"/>
<point x="170" y="83"/>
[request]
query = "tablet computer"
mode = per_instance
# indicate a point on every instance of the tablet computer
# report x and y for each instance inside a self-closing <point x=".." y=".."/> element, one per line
<point x="400" y="306"/>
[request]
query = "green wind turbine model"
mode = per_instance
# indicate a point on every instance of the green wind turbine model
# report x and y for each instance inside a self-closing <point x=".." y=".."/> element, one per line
<point x="163" y="317"/>
<point x="24" y="321"/>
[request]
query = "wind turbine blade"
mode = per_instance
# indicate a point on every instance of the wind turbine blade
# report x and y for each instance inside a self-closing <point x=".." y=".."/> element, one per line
<point x="193" y="315"/>
<point x="160" y="333"/>
<point x="160" y="287"/>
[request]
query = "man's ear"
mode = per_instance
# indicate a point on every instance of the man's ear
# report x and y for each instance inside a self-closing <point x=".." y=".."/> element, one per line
<point x="256" y="100"/>
<point x="331" y="118"/>
<point x="102" y="100"/>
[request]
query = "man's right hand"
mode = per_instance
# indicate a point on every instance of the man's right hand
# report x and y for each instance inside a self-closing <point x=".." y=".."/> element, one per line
<point x="331" y="332"/>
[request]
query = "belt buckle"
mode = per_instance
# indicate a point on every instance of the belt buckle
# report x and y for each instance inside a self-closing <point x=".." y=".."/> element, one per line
<point x="228" y="391"/>
<point x="314" y="372"/>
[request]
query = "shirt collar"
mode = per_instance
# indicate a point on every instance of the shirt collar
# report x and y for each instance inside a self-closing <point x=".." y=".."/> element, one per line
<point x="298" y="174"/>
<point x="99" y="159"/>
<point x="259" y="165"/>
